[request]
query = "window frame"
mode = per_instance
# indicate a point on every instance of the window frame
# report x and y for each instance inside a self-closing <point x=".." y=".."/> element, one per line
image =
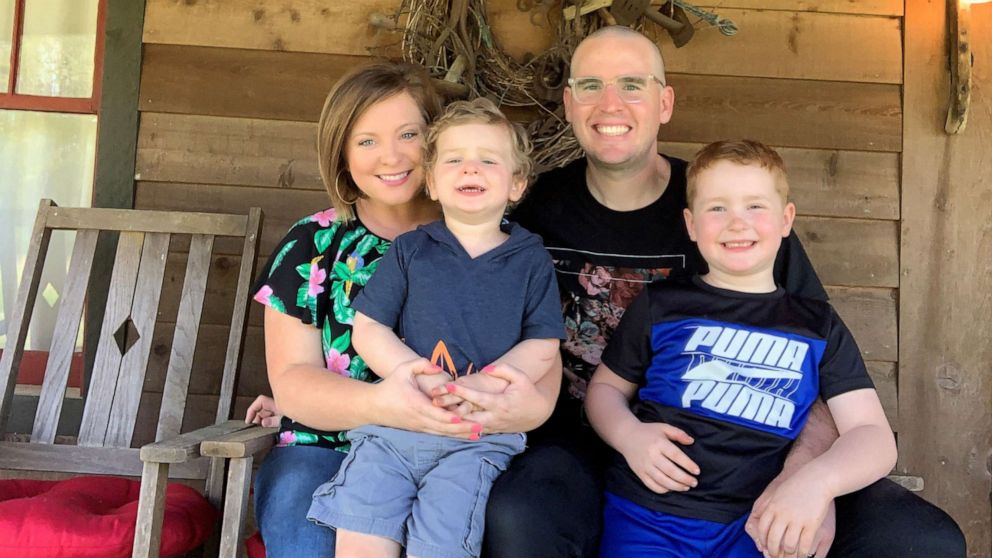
<point x="9" y="99"/>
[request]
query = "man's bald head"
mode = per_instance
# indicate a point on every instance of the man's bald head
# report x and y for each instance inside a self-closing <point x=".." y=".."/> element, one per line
<point x="603" y="37"/>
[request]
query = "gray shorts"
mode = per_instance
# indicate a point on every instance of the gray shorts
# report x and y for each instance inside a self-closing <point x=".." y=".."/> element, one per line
<point x="426" y="492"/>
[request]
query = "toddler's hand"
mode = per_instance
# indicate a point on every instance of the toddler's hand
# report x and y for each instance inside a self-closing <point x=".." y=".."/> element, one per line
<point x="652" y="453"/>
<point x="794" y="513"/>
<point x="428" y="383"/>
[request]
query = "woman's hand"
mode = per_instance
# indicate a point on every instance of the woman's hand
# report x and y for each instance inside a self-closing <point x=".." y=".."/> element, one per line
<point x="519" y="408"/>
<point x="263" y="412"/>
<point x="400" y="404"/>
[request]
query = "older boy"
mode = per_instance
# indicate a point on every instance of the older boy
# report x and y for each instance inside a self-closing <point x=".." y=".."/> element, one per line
<point x="725" y="367"/>
<point x="465" y="292"/>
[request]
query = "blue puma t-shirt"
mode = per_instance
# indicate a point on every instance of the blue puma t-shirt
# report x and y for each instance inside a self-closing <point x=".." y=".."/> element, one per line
<point x="460" y="312"/>
<point x="736" y="371"/>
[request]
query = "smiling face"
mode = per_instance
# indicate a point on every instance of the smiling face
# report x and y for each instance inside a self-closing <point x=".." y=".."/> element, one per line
<point x="384" y="151"/>
<point x="615" y="134"/>
<point x="738" y="219"/>
<point x="475" y="173"/>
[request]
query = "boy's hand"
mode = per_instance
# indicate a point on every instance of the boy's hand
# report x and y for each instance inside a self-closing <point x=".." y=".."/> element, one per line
<point x="823" y="540"/>
<point x="790" y="521"/>
<point x="428" y="383"/>
<point x="479" y="381"/>
<point x="263" y="412"/>
<point x="651" y="452"/>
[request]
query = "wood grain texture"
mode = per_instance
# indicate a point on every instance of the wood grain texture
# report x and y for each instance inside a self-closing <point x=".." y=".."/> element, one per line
<point x="786" y="112"/>
<point x="871" y="316"/>
<point x="852" y="252"/>
<point x="279" y="25"/>
<point x="144" y="309"/>
<point x="229" y="151"/>
<point x="282" y="207"/>
<point x="184" y="337"/>
<point x="318" y="27"/>
<point x="865" y="7"/>
<point x="945" y="383"/>
<point x="85" y="460"/>
<point x="106" y="367"/>
<point x="883" y="374"/>
<point x="235" y="507"/>
<point x="235" y="82"/>
<point x="829" y="183"/>
<point x="64" y="336"/>
<point x="795" y="45"/>
<point x="151" y="510"/>
<point x="20" y="315"/>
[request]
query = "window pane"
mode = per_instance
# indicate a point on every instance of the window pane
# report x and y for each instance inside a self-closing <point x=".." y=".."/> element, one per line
<point x="43" y="155"/>
<point x="6" y="32"/>
<point x="57" y="46"/>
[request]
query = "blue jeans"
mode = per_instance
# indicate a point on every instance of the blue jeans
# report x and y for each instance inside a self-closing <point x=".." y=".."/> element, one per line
<point x="284" y="488"/>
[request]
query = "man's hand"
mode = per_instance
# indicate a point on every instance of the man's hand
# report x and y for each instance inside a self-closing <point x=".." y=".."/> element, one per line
<point x="652" y="452"/>
<point x="263" y="412"/>
<point x="794" y="517"/>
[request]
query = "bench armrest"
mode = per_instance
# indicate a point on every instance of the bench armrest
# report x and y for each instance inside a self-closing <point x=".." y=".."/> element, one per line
<point x="239" y="444"/>
<point x="186" y="446"/>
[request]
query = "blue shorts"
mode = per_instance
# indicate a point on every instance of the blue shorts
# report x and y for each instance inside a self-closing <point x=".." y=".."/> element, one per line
<point x="426" y="492"/>
<point x="632" y="531"/>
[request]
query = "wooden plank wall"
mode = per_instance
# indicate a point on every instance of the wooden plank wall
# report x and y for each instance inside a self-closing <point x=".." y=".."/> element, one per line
<point x="230" y="92"/>
<point x="946" y="379"/>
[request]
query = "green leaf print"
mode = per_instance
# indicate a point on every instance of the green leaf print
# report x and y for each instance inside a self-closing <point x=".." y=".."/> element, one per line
<point x="361" y="276"/>
<point x="341" y="306"/>
<point x="341" y="271"/>
<point x="277" y="261"/>
<point x="382" y="247"/>
<point x="325" y="337"/>
<point x="366" y="244"/>
<point x="350" y="237"/>
<point x="323" y="238"/>
<point x="306" y="438"/>
<point x="358" y="369"/>
<point x="304" y="300"/>
<point x="304" y="270"/>
<point x="277" y="304"/>
<point x="342" y="343"/>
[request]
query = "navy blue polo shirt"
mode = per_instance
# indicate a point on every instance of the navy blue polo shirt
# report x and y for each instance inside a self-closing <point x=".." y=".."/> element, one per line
<point x="460" y="312"/>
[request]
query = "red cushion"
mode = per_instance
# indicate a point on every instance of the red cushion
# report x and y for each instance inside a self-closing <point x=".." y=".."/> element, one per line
<point x="255" y="546"/>
<point x="93" y="517"/>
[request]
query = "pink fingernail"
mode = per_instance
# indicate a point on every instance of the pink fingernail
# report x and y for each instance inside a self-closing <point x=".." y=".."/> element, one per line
<point x="489" y="368"/>
<point x="456" y="419"/>
<point x="450" y="388"/>
<point x="476" y="428"/>
<point x="473" y="437"/>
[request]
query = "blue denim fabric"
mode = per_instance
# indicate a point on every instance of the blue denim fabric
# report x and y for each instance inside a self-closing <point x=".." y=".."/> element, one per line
<point x="284" y="487"/>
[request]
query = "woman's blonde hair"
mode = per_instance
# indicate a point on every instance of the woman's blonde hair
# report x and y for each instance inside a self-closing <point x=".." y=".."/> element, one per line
<point x="347" y="101"/>
<point x="480" y="111"/>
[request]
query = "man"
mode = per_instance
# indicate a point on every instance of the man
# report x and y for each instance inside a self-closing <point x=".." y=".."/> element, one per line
<point x="613" y="222"/>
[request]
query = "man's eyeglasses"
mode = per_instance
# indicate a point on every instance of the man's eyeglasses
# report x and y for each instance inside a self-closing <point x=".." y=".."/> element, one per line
<point x="630" y="89"/>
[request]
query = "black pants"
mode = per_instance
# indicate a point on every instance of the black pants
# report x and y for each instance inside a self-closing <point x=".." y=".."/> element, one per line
<point x="548" y="504"/>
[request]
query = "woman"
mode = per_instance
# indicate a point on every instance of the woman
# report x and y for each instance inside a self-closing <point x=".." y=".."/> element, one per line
<point x="370" y="148"/>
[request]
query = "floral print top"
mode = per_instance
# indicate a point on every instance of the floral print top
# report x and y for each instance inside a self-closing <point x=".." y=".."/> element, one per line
<point x="314" y="274"/>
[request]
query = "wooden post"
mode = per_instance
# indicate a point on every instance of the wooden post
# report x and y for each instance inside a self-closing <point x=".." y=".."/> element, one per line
<point x="151" y="510"/>
<point x="945" y="380"/>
